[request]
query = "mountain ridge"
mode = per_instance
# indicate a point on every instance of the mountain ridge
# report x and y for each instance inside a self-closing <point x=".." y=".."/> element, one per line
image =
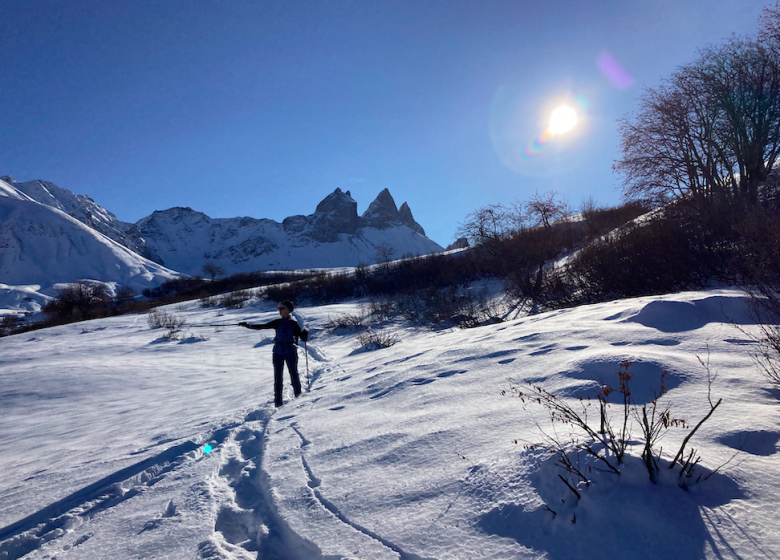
<point x="183" y="239"/>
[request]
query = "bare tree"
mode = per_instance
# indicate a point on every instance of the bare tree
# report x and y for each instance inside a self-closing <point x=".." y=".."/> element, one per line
<point x="543" y="209"/>
<point x="384" y="252"/>
<point x="489" y="223"/>
<point x="212" y="270"/>
<point x="78" y="300"/>
<point x="125" y="293"/>
<point x="711" y="131"/>
<point x="745" y="80"/>
<point x="769" y="30"/>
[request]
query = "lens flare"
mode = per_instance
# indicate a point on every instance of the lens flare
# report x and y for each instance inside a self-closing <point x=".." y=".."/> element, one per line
<point x="562" y="120"/>
<point x="525" y="139"/>
<point x="207" y="449"/>
<point x="614" y="71"/>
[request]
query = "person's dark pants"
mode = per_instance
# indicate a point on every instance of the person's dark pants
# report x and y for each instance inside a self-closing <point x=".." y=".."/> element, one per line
<point x="292" y="366"/>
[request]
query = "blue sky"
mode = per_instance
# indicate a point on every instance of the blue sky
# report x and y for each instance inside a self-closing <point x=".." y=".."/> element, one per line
<point x="259" y="108"/>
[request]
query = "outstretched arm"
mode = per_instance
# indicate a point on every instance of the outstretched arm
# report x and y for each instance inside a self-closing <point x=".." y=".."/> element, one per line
<point x="262" y="326"/>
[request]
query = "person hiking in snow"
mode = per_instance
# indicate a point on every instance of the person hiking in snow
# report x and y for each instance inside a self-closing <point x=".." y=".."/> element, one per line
<point x="285" y="348"/>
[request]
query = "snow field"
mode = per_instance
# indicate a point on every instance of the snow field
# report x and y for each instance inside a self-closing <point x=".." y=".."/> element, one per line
<point x="414" y="442"/>
<point x="402" y="452"/>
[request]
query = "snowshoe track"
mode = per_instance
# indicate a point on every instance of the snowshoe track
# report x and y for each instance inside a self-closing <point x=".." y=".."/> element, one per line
<point x="30" y="533"/>
<point x="247" y="524"/>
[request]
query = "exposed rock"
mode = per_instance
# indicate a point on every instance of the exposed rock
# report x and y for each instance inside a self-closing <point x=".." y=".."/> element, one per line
<point x="405" y="214"/>
<point x="339" y="211"/>
<point x="295" y="224"/>
<point x="382" y="212"/>
<point x="460" y="243"/>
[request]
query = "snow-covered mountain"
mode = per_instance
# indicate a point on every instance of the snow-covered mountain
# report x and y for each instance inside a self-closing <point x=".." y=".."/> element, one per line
<point x="42" y="244"/>
<point x="184" y="239"/>
<point x="87" y="211"/>
<point x="333" y="236"/>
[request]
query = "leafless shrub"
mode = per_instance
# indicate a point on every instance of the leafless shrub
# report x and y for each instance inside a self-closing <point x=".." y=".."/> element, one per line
<point x="600" y="220"/>
<point x="381" y="308"/>
<point x="81" y="300"/>
<point x="159" y="318"/>
<point x="347" y="321"/>
<point x="125" y="294"/>
<point x="593" y="432"/>
<point x="453" y="306"/>
<point x="759" y="263"/>
<point x="376" y="339"/>
<point x="384" y="254"/>
<point x="8" y="323"/>
<point x="209" y="301"/>
<point x="235" y="300"/>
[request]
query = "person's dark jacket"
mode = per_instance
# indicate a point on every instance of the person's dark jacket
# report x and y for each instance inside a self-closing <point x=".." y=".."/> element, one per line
<point x="287" y="332"/>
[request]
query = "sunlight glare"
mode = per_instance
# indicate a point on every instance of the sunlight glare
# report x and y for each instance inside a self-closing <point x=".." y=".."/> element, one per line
<point x="563" y="119"/>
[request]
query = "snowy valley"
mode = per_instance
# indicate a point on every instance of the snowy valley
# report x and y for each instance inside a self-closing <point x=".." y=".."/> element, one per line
<point x="121" y="443"/>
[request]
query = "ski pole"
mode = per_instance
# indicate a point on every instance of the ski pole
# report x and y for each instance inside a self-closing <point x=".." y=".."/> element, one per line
<point x="308" y="378"/>
<point x="222" y="325"/>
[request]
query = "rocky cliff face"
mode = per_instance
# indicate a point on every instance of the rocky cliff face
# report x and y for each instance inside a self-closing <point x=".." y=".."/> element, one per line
<point x="336" y="214"/>
<point x="383" y="213"/>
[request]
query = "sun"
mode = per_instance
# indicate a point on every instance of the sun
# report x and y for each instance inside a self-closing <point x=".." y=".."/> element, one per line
<point x="563" y="119"/>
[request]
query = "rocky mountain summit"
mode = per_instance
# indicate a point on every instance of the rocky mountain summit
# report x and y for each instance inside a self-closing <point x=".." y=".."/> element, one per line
<point x="333" y="236"/>
<point x="383" y="213"/>
<point x="337" y="214"/>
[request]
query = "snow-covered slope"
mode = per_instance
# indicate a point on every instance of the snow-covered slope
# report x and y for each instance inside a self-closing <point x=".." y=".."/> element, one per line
<point x="406" y="452"/>
<point x="85" y="210"/>
<point x="333" y="236"/>
<point x="43" y="245"/>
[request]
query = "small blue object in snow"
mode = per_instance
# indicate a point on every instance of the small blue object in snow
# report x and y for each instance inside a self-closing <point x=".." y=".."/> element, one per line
<point x="207" y="449"/>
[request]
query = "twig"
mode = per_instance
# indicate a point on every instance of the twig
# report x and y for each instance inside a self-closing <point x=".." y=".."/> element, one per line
<point x="566" y="482"/>
<point x="679" y="455"/>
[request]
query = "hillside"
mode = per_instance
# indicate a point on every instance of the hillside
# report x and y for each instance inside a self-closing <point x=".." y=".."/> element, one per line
<point x="43" y="245"/>
<point x="402" y="452"/>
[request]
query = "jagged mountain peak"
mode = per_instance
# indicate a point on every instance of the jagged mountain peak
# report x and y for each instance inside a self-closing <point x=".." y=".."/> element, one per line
<point x="405" y="213"/>
<point x="383" y="213"/>
<point x="336" y="200"/>
<point x="337" y="213"/>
